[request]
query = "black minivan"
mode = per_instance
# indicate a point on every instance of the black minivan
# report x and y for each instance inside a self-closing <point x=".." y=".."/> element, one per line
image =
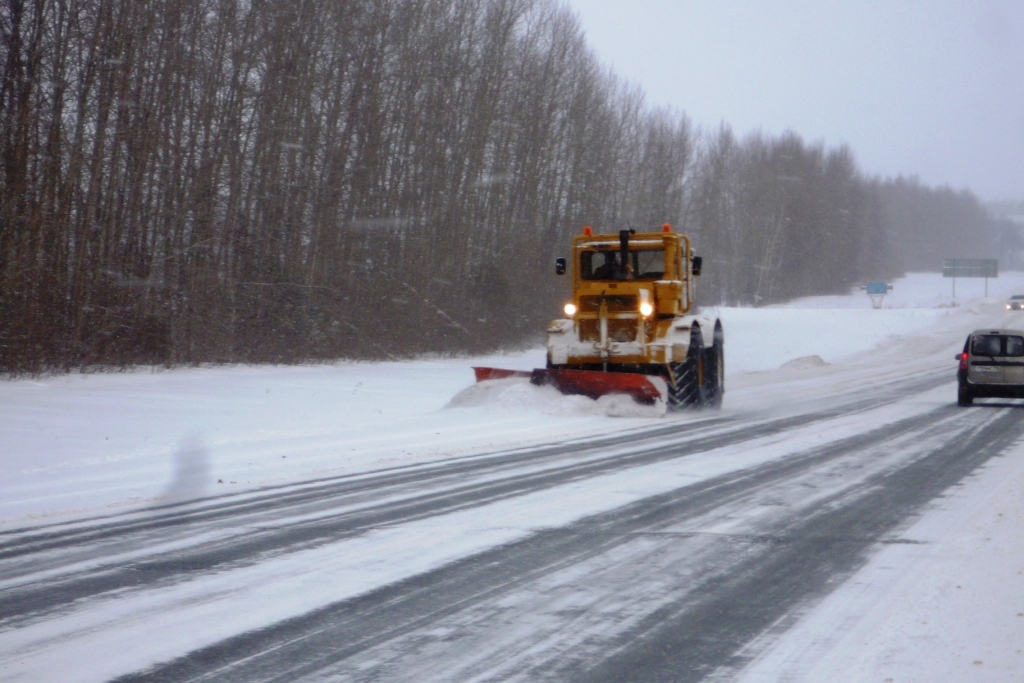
<point x="991" y="366"/>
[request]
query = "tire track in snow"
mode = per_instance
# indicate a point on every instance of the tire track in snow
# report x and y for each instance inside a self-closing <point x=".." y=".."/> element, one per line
<point x="310" y="644"/>
<point x="820" y="551"/>
<point x="248" y="542"/>
<point x="34" y="600"/>
<point x="15" y="543"/>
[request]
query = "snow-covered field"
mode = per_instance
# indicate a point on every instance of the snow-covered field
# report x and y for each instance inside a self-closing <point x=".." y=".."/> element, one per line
<point x="949" y="609"/>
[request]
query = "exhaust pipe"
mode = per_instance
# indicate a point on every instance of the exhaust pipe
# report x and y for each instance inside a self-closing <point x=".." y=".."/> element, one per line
<point x="624" y="252"/>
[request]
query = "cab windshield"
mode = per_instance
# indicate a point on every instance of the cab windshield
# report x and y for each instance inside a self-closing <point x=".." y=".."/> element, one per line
<point x="642" y="264"/>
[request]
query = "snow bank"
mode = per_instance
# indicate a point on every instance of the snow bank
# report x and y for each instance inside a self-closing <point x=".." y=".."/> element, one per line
<point x="519" y="394"/>
<point x="806" y="362"/>
<point x="90" y="444"/>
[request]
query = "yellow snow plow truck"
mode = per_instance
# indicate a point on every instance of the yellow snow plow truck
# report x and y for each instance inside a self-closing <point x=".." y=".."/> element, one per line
<point x="631" y="326"/>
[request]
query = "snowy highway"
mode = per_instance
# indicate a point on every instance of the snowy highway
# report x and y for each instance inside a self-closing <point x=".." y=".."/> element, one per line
<point x="680" y="548"/>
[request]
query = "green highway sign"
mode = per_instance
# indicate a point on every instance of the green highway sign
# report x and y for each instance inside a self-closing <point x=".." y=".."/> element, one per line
<point x="970" y="267"/>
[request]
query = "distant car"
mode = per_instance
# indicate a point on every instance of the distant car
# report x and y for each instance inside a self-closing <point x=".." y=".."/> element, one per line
<point x="1015" y="303"/>
<point x="991" y="366"/>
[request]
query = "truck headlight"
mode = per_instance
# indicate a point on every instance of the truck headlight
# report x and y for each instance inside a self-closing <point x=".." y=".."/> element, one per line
<point x="570" y="310"/>
<point x="646" y="308"/>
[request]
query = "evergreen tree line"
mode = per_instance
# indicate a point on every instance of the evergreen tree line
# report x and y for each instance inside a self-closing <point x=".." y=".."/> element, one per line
<point x="189" y="181"/>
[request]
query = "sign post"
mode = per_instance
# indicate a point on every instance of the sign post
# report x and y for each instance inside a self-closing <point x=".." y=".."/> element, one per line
<point x="970" y="267"/>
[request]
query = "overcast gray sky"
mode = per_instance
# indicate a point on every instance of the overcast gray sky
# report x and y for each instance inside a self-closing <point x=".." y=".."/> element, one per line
<point x="933" y="88"/>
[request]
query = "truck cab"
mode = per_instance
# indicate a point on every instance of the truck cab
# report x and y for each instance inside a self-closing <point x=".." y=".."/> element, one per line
<point x="632" y="310"/>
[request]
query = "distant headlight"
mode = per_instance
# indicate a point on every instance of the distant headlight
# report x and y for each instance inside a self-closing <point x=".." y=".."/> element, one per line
<point x="570" y="310"/>
<point x="1008" y="306"/>
<point x="646" y="309"/>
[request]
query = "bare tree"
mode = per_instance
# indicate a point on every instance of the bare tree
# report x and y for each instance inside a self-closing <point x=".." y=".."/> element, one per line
<point x="186" y="181"/>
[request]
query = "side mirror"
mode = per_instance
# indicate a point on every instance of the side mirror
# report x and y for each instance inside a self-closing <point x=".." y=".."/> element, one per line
<point x="559" y="266"/>
<point x="695" y="266"/>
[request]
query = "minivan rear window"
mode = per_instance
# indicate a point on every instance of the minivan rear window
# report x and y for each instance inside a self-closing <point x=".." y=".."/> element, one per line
<point x="1015" y="346"/>
<point x="987" y="345"/>
<point x="997" y="345"/>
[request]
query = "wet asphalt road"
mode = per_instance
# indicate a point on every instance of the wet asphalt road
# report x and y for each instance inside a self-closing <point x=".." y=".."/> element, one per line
<point x="669" y="588"/>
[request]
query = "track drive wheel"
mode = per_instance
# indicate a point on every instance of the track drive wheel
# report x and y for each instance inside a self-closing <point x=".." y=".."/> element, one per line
<point x="690" y="387"/>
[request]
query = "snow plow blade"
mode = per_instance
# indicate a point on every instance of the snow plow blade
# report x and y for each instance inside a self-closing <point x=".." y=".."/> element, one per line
<point x="594" y="384"/>
<point x="484" y="374"/>
<point x="590" y="383"/>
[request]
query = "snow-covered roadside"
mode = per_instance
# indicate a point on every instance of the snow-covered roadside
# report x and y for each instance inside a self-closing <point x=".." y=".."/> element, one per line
<point x="946" y="606"/>
<point x="82" y="445"/>
<point x="158" y="625"/>
<point x="94" y="444"/>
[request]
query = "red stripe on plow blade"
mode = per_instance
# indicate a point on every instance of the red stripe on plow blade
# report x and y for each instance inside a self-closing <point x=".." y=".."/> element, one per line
<point x="484" y="374"/>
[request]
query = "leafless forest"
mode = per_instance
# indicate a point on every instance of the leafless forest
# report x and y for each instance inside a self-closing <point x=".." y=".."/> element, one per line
<point x="187" y="181"/>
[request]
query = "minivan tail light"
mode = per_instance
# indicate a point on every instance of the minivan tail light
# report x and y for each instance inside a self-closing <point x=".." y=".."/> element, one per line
<point x="963" y="360"/>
